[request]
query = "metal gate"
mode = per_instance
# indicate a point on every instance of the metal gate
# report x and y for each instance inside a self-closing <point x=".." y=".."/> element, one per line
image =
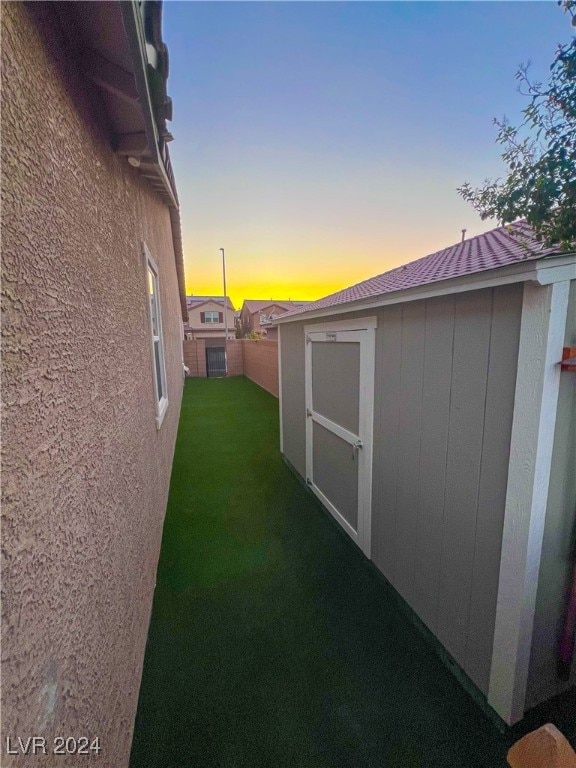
<point x="215" y="361"/>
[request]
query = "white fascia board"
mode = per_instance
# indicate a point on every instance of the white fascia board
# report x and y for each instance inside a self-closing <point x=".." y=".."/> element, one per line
<point x="556" y="271"/>
<point x="542" y="271"/>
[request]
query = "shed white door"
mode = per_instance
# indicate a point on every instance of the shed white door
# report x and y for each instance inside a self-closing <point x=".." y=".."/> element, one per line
<point x="339" y="418"/>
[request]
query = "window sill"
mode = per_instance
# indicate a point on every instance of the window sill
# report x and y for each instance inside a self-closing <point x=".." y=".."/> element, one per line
<point x="162" y="408"/>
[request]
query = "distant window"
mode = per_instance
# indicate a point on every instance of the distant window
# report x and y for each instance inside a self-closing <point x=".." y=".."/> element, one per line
<point x="211" y="317"/>
<point x="160" y="390"/>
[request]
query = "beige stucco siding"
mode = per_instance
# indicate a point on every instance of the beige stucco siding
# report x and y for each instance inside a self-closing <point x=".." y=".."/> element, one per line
<point x="86" y="471"/>
<point x="445" y="374"/>
<point x="559" y="544"/>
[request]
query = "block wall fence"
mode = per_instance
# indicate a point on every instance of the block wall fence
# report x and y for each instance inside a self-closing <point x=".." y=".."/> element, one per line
<point x="255" y="359"/>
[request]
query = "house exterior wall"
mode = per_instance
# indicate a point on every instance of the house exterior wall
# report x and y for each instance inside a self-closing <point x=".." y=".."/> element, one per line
<point x="272" y="333"/>
<point x="559" y="543"/>
<point x="445" y="376"/>
<point x="86" y="471"/>
<point x="245" y="321"/>
<point x="250" y="321"/>
<point x="255" y="322"/>
<point x="209" y="330"/>
<point x="272" y="309"/>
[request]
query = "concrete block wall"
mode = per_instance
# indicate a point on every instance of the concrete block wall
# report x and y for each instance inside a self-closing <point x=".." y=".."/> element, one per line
<point x="255" y="359"/>
<point x="195" y="358"/>
<point x="261" y="363"/>
<point x="235" y="358"/>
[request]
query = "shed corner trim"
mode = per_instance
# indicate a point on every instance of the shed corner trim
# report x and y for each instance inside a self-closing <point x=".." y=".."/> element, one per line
<point x="544" y="312"/>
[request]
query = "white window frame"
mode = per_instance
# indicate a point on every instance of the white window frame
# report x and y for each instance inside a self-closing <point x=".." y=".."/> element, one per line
<point x="161" y="402"/>
<point x="211" y="312"/>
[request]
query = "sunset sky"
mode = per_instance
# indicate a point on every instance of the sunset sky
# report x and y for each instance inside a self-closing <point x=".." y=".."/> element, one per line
<point x="321" y="143"/>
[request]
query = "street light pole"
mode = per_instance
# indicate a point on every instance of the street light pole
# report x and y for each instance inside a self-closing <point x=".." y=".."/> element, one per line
<point x="225" y="314"/>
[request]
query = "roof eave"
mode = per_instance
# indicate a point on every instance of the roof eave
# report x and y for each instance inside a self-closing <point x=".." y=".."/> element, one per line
<point x="137" y="43"/>
<point x="543" y="270"/>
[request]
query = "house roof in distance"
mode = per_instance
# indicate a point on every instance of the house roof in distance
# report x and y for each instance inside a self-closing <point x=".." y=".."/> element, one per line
<point x="499" y="247"/>
<point x="195" y="301"/>
<point x="256" y="305"/>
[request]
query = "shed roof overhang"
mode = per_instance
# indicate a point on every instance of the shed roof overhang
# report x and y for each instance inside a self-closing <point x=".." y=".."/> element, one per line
<point x="544" y="271"/>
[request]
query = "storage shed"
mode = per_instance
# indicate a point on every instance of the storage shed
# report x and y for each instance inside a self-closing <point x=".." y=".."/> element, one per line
<point x="428" y="410"/>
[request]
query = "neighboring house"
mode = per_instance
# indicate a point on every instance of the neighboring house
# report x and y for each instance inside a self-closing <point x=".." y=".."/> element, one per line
<point x="237" y="314"/>
<point x="206" y="318"/>
<point x="428" y="410"/>
<point x="93" y="306"/>
<point x="256" y="314"/>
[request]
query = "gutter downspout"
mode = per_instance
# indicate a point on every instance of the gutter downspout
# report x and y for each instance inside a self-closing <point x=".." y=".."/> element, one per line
<point x="179" y="258"/>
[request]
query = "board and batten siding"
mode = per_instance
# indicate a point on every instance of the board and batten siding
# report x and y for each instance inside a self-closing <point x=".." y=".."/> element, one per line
<point x="559" y="542"/>
<point x="445" y="376"/>
<point x="292" y="372"/>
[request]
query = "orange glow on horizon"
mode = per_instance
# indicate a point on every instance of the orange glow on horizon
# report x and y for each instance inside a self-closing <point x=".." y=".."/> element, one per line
<point x="278" y="291"/>
<point x="306" y="277"/>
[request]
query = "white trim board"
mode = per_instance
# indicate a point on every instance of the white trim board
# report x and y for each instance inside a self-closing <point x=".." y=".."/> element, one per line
<point x="544" y="310"/>
<point x="543" y="272"/>
<point x="354" y="324"/>
<point x="280" y="390"/>
<point x="161" y="404"/>
<point x="343" y="434"/>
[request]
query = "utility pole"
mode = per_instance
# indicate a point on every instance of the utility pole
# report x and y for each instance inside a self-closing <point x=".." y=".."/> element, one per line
<point x="225" y="314"/>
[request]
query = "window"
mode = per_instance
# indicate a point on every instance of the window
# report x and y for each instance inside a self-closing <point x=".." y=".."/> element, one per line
<point x="160" y="390"/>
<point x="211" y="317"/>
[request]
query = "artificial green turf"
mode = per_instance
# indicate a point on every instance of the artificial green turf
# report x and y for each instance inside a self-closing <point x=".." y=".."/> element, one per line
<point x="271" y="642"/>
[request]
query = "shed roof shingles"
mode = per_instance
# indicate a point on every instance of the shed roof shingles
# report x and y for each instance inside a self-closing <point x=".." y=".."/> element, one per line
<point x="499" y="247"/>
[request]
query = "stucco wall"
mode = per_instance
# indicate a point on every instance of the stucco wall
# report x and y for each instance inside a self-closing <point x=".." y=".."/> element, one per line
<point x="86" y="471"/>
<point x="445" y="374"/>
